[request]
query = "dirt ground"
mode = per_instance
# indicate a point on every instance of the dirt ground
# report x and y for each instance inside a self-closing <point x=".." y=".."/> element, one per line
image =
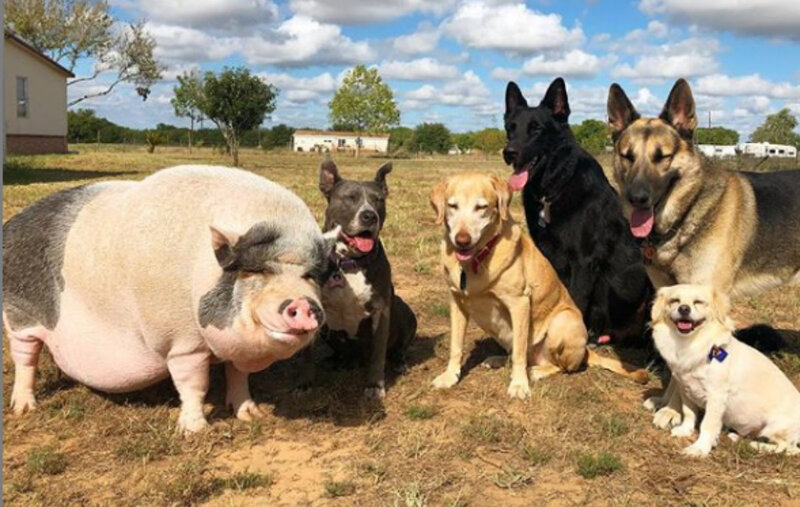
<point x="579" y="439"/>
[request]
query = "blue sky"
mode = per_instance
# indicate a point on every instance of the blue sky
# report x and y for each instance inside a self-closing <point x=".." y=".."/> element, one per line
<point x="450" y="60"/>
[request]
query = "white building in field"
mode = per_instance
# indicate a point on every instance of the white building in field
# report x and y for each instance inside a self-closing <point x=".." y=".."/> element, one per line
<point x="717" y="150"/>
<point x="332" y="141"/>
<point x="767" y="150"/>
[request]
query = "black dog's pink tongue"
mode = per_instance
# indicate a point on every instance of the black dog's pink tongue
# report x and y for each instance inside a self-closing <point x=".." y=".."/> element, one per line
<point x="642" y="222"/>
<point x="363" y="245"/>
<point x="517" y="180"/>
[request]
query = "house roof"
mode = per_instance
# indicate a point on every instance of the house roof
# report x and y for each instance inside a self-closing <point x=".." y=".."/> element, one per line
<point x="26" y="46"/>
<point x="333" y="133"/>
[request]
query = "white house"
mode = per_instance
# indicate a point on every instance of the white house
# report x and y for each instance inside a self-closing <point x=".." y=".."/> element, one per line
<point x="767" y="150"/>
<point x="34" y="99"/>
<point x="330" y="140"/>
<point x="717" y="150"/>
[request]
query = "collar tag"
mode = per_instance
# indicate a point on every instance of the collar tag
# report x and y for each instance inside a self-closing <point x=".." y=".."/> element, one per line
<point x="544" y="213"/>
<point x="648" y="252"/>
<point x="717" y="353"/>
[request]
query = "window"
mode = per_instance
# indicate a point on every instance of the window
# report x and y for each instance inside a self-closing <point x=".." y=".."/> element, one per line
<point x="342" y="143"/>
<point x="22" y="97"/>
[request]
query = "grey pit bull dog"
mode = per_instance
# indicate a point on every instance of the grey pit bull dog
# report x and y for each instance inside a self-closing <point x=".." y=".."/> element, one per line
<point x="365" y="317"/>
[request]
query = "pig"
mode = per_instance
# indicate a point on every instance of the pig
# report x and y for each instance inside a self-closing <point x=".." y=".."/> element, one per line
<point x="128" y="283"/>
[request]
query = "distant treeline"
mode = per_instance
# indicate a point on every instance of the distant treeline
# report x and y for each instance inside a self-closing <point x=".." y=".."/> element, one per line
<point x="86" y="127"/>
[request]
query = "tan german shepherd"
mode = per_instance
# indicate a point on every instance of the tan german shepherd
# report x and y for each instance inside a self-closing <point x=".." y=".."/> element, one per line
<point x="738" y="232"/>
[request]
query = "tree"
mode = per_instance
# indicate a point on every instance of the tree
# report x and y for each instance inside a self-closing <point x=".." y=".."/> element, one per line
<point x="236" y="102"/>
<point x="592" y="135"/>
<point x="188" y="99"/>
<point x="464" y="141"/>
<point x="778" y="128"/>
<point x="400" y="138"/>
<point x="277" y="137"/>
<point x="490" y="140"/>
<point x="431" y="138"/>
<point x="70" y="30"/>
<point x="363" y="103"/>
<point x="716" y="135"/>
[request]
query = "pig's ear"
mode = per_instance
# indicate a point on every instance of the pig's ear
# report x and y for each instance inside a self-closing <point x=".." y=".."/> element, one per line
<point x="223" y="242"/>
<point x="380" y="177"/>
<point x="328" y="178"/>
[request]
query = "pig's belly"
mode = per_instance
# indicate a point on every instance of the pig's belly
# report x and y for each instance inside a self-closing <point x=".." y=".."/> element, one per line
<point x="104" y="356"/>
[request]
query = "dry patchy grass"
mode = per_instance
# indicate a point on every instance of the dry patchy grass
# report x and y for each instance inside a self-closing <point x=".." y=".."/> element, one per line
<point x="466" y="446"/>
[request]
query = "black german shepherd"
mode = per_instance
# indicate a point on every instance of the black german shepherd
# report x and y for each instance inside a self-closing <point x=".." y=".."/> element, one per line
<point x="574" y="216"/>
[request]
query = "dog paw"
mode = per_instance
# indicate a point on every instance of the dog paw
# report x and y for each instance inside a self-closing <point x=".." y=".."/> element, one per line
<point x="191" y="423"/>
<point x="375" y="393"/>
<point x="682" y="431"/>
<point x="248" y="410"/>
<point x="519" y="390"/>
<point x="653" y="403"/>
<point x="697" y="450"/>
<point x="446" y="380"/>
<point x="22" y="402"/>
<point x="666" y="418"/>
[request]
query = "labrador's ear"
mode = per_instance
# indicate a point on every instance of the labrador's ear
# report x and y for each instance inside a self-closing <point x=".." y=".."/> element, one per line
<point x="659" y="305"/>
<point x="437" y="199"/>
<point x="721" y="308"/>
<point x="503" y="197"/>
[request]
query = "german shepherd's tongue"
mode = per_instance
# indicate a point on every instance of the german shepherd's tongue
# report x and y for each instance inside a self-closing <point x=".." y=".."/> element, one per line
<point x="363" y="244"/>
<point x="641" y="222"/>
<point x="518" y="180"/>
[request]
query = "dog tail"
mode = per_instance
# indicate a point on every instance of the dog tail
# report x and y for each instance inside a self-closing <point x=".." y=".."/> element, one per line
<point x="639" y="375"/>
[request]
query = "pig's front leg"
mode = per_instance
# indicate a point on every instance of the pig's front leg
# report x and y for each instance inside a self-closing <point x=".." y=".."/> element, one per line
<point x="238" y="394"/>
<point x="189" y="373"/>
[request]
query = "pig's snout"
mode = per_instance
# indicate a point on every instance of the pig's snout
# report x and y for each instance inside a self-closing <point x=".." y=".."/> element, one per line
<point x="302" y="314"/>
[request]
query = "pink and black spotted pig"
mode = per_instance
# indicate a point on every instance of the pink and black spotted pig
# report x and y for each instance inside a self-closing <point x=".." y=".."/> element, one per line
<point x="128" y="283"/>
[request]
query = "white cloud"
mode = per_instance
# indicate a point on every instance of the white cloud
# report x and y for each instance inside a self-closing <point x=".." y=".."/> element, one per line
<point x="353" y="12"/>
<point x="655" y="29"/>
<point x="424" y="40"/>
<point x="303" y="41"/>
<point x="301" y="90"/>
<point x="756" y="104"/>
<point x="575" y="63"/>
<point x="753" y="84"/>
<point x="421" y="69"/>
<point x="505" y="74"/>
<point x="764" y="18"/>
<point x="687" y="58"/>
<point x="181" y="44"/>
<point x="469" y="91"/>
<point x="509" y="27"/>
<point x="228" y="14"/>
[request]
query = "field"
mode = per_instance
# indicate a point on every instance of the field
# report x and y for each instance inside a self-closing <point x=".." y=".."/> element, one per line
<point x="579" y="439"/>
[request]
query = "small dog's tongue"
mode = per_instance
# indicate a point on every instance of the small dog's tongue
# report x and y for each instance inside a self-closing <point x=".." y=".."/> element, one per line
<point x="684" y="325"/>
<point x="642" y="222"/>
<point x="518" y="180"/>
<point x="362" y="244"/>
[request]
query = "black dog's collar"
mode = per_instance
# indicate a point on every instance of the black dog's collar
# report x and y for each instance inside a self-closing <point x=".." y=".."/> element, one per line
<point x="346" y="263"/>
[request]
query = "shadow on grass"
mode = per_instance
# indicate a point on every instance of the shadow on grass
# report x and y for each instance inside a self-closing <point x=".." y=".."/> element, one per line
<point x="20" y="173"/>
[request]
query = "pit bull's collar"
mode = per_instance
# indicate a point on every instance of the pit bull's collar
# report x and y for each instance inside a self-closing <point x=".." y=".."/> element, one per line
<point x="349" y="264"/>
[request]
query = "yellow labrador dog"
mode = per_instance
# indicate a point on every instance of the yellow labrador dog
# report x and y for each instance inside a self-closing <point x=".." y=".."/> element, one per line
<point x="736" y="385"/>
<point x="500" y="279"/>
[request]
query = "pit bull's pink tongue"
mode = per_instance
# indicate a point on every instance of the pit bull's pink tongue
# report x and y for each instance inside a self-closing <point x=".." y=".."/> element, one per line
<point x="685" y="325"/>
<point x="642" y="222"/>
<point x="363" y="244"/>
<point x="518" y="180"/>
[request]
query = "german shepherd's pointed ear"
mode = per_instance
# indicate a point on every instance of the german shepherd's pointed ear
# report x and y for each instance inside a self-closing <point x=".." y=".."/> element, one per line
<point x="621" y="112"/>
<point x="437" y="200"/>
<point x="328" y="178"/>
<point x="555" y="99"/>
<point x="504" y="194"/>
<point x="659" y="305"/>
<point x="380" y="177"/>
<point x="514" y="98"/>
<point x="679" y="110"/>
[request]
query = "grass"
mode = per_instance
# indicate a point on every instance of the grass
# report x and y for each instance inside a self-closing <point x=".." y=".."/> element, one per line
<point x="603" y="463"/>
<point x="469" y="445"/>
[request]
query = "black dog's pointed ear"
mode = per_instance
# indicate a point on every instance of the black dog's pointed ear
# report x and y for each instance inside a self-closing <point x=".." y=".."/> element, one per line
<point x="514" y="98"/>
<point x="328" y="177"/>
<point x="380" y="177"/>
<point x="621" y="112"/>
<point x="555" y="99"/>
<point x="679" y="110"/>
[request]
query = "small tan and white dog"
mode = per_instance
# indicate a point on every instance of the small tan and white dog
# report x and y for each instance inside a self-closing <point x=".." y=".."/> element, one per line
<point x="499" y="279"/>
<point x="736" y="385"/>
